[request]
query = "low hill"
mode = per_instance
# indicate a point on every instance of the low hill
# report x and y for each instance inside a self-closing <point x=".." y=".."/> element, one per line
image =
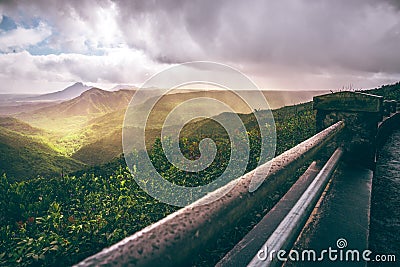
<point x="72" y="115"/>
<point x="23" y="157"/>
<point x="277" y="99"/>
<point x="16" y="125"/>
<point x="123" y="86"/>
<point x="91" y="102"/>
<point x="13" y="107"/>
<point x="102" y="150"/>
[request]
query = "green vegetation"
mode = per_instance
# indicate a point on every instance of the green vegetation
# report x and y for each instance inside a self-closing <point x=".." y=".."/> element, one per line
<point x="63" y="220"/>
<point x="60" y="220"/>
<point x="293" y="125"/>
<point x="81" y="121"/>
<point x="389" y="91"/>
<point x="23" y="156"/>
<point x="102" y="150"/>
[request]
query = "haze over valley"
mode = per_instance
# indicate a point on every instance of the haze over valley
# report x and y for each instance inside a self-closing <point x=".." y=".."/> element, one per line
<point x="81" y="126"/>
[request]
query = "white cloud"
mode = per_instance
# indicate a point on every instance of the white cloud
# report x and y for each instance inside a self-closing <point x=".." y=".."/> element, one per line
<point x="79" y="27"/>
<point x="116" y="65"/>
<point x="22" y="38"/>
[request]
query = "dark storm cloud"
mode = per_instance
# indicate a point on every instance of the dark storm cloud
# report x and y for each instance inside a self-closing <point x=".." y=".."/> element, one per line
<point x="355" y="34"/>
<point x="394" y="3"/>
<point x="350" y="34"/>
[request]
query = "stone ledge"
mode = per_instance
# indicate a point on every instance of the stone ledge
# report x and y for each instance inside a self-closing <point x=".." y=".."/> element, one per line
<point x="349" y="101"/>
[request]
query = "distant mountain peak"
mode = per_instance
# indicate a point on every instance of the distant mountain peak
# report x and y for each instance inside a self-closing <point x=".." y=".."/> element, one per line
<point x="91" y="102"/>
<point x="124" y="86"/>
<point x="78" y="86"/>
<point x="93" y="90"/>
<point x="67" y="93"/>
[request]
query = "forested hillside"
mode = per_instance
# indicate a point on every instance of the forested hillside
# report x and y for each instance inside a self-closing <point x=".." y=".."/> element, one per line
<point x="63" y="219"/>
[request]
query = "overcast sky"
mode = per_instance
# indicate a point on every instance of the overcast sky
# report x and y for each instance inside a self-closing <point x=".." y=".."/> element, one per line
<point x="286" y="44"/>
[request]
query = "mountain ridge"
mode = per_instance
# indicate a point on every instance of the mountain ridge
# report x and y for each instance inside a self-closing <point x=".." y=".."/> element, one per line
<point x="67" y="93"/>
<point x="94" y="100"/>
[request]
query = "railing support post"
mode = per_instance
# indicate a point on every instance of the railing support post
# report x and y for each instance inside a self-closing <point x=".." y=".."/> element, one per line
<point x="361" y="114"/>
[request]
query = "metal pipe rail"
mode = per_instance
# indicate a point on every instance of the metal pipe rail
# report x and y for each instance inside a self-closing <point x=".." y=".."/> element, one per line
<point x="173" y="240"/>
<point x="290" y="226"/>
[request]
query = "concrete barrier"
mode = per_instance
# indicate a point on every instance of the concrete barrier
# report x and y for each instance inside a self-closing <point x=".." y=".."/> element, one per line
<point x="361" y="113"/>
<point x="393" y="106"/>
<point x="387" y="107"/>
<point x="385" y="128"/>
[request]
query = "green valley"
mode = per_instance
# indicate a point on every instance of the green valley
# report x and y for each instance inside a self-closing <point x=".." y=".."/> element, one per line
<point x="49" y="218"/>
<point x="24" y="152"/>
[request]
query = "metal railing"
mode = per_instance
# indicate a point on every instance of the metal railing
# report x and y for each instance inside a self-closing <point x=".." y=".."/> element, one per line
<point x="289" y="228"/>
<point x="173" y="240"/>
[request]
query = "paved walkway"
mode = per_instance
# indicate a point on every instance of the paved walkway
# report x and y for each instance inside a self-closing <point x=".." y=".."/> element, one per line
<point x="385" y="210"/>
<point x="341" y="215"/>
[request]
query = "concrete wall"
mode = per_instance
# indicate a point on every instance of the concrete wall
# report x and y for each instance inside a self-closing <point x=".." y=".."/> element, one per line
<point x="361" y="114"/>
